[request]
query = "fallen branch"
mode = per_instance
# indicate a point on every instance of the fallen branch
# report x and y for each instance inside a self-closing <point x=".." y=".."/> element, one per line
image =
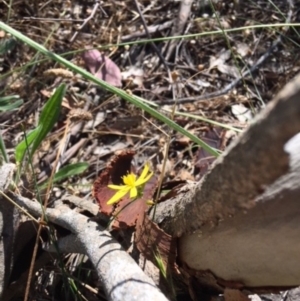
<point x="259" y="247"/>
<point x="120" y="275"/>
<point x="241" y="221"/>
<point x="253" y="162"/>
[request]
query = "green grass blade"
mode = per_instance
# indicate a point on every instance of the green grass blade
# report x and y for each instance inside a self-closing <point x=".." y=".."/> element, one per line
<point x="49" y="116"/>
<point x="137" y="101"/>
<point x="68" y="171"/>
<point x="160" y="264"/>
<point x="9" y="103"/>
<point x="21" y="148"/>
<point x="3" y="149"/>
<point x="215" y="123"/>
<point x="7" y="45"/>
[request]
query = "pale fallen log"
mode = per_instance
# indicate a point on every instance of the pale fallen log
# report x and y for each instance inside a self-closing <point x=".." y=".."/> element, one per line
<point x="259" y="247"/>
<point x="254" y="161"/>
<point x="241" y="222"/>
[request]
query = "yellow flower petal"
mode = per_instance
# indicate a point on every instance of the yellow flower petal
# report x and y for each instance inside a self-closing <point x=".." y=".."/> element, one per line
<point x="131" y="184"/>
<point x="117" y="196"/>
<point x="141" y="181"/>
<point x="145" y="171"/>
<point x="133" y="192"/>
<point x="116" y="187"/>
<point x="129" y="179"/>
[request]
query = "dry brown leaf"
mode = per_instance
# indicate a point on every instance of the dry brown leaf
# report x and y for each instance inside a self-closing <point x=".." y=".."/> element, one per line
<point x="152" y="241"/>
<point x="59" y="72"/>
<point x="126" y="211"/>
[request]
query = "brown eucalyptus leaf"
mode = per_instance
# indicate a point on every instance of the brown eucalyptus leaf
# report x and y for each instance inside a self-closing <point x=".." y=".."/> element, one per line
<point x="128" y="211"/>
<point x="117" y="167"/>
<point x="125" y="212"/>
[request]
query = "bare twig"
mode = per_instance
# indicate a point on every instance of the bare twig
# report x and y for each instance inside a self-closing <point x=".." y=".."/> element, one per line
<point x="179" y="24"/>
<point x="150" y="29"/>
<point x="161" y="58"/>
<point x="96" y="5"/>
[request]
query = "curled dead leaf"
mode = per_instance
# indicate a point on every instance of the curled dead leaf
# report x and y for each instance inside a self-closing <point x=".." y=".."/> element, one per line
<point x="126" y="211"/>
<point x="102" y="67"/>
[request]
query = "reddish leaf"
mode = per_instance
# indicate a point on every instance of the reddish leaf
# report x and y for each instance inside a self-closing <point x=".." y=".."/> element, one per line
<point x="118" y="166"/>
<point x="102" y="67"/>
<point x="130" y="211"/>
<point x="126" y="211"/>
<point x="102" y="193"/>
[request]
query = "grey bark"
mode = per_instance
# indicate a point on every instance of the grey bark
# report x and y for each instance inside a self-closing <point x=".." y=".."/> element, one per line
<point x="8" y="226"/>
<point x="258" y="247"/>
<point x="241" y="222"/>
<point x="253" y="162"/>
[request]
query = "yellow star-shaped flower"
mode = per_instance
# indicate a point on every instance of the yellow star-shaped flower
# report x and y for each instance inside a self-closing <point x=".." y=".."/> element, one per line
<point x="131" y="185"/>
